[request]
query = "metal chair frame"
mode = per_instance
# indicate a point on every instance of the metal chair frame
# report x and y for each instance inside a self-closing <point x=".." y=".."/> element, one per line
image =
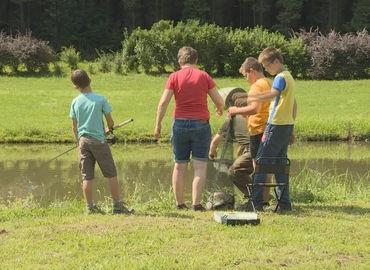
<point x="270" y="168"/>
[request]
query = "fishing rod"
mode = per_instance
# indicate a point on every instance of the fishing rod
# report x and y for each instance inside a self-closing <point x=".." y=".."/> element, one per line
<point x="123" y="123"/>
<point x="74" y="147"/>
<point x="69" y="150"/>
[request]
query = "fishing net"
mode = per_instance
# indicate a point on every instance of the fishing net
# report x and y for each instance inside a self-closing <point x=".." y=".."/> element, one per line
<point x="221" y="186"/>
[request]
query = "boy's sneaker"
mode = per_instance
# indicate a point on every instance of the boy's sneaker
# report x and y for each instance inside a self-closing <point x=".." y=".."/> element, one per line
<point x="285" y="207"/>
<point x="122" y="209"/>
<point x="198" y="207"/>
<point x="94" y="210"/>
<point x="181" y="207"/>
<point x="266" y="206"/>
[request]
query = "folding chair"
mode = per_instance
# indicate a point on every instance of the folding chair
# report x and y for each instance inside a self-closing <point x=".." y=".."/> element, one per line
<point x="270" y="168"/>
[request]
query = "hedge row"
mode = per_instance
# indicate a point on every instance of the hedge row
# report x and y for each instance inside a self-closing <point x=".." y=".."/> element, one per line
<point x="222" y="50"/>
<point x="26" y="50"/>
<point x="337" y="56"/>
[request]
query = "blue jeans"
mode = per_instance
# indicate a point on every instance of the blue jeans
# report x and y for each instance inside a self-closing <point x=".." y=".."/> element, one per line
<point x="275" y="145"/>
<point x="190" y="136"/>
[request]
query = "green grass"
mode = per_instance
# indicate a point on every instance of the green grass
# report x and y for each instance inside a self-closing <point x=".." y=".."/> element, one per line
<point x="326" y="238"/>
<point x="327" y="235"/>
<point x="36" y="109"/>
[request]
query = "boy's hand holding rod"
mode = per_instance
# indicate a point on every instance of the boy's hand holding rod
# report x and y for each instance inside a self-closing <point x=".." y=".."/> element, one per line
<point x="108" y="130"/>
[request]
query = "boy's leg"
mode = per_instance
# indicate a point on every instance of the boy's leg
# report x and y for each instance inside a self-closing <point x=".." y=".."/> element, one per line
<point x="104" y="157"/>
<point x="199" y="181"/>
<point x="240" y="171"/>
<point x="178" y="181"/>
<point x="114" y="188"/>
<point x="200" y="139"/>
<point x="274" y="145"/>
<point x="255" y="142"/>
<point x="118" y="206"/>
<point x="181" y="152"/>
<point x="87" y="191"/>
<point x="87" y="166"/>
<point x="283" y="178"/>
<point x="266" y="190"/>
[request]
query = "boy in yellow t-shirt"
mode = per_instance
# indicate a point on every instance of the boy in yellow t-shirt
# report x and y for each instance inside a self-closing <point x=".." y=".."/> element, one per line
<point x="280" y="125"/>
<point x="257" y="111"/>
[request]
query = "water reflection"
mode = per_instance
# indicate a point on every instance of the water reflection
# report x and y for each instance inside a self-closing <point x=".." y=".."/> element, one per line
<point x="25" y="170"/>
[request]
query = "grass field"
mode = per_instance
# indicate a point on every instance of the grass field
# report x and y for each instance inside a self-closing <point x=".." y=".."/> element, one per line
<point x="37" y="109"/>
<point x="313" y="236"/>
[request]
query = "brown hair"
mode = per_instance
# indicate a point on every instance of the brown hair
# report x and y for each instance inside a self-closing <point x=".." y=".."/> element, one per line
<point x="187" y="55"/>
<point x="270" y="54"/>
<point x="80" y="78"/>
<point x="250" y="63"/>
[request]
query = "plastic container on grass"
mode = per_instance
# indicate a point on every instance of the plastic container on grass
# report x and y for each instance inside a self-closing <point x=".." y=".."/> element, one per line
<point x="236" y="218"/>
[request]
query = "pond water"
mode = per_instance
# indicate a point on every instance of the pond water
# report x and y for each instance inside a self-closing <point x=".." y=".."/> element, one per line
<point x="147" y="169"/>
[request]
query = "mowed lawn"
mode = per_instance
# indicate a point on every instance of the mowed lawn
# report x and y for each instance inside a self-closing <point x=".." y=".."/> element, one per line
<point x="37" y="109"/>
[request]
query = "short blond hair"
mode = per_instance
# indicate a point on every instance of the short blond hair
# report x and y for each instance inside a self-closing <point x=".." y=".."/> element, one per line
<point x="270" y="54"/>
<point x="80" y="78"/>
<point x="187" y="55"/>
<point x="250" y="63"/>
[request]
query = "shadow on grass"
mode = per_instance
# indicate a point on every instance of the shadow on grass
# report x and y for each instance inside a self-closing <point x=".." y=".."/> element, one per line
<point x="164" y="214"/>
<point x="347" y="209"/>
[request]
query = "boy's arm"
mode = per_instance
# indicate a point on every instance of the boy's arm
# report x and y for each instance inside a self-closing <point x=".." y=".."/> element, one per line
<point x="214" y="144"/>
<point x="251" y="109"/>
<point x="295" y="109"/>
<point x="217" y="100"/>
<point x="161" y="111"/>
<point x="292" y="137"/>
<point x="110" y="122"/>
<point x="239" y="95"/>
<point x="74" y="129"/>
<point x="268" y="96"/>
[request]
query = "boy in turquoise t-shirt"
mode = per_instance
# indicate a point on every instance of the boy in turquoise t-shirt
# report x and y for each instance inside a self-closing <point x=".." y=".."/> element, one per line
<point x="87" y="111"/>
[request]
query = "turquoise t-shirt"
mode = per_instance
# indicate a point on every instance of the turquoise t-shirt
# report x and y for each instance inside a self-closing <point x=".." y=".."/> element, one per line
<point x="89" y="109"/>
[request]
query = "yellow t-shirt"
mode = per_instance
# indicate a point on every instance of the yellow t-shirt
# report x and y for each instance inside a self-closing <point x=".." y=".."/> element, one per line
<point x="281" y="109"/>
<point x="257" y="122"/>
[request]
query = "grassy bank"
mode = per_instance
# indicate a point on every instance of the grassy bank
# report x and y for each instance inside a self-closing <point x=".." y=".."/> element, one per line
<point x="37" y="109"/>
<point x="327" y="235"/>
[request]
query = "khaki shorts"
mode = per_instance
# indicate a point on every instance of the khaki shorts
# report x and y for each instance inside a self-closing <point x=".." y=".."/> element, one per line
<point x="91" y="151"/>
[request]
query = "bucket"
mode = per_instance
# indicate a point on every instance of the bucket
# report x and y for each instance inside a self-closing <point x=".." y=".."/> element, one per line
<point x="227" y="95"/>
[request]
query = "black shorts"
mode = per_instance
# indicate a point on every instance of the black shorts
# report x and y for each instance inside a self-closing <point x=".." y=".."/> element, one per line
<point x="254" y="144"/>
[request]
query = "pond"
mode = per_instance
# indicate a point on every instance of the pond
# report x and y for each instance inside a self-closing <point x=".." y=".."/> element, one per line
<point x="26" y="169"/>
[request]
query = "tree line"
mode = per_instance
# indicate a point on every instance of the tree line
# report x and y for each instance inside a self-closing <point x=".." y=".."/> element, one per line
<point x="99" y="24"/>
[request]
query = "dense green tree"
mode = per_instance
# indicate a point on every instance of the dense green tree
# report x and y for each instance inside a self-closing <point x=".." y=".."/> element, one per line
<point x="289" y="15"/>
<point x="195" y="9"/>
<point x="361" y="16"/>
<point x="326" y="14"/>
<point x="77" y="23"/>
<point x="99" y="24"/>
<point x="260" y="9"/>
